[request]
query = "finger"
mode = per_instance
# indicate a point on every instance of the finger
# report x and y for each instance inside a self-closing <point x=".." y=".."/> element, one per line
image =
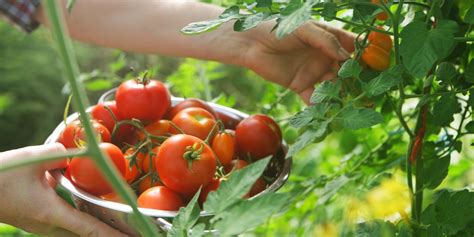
<point x="60" y="232"/>
<point x="79" y="222"/>
<point x="321" y="39"/>
<point x="346" y="38"/>
<point x="54" y="148"/>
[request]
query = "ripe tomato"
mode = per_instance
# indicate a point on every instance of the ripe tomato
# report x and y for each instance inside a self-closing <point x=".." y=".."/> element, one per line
<point x="146" y="100"/>
<point x="229" y="120"/>
<point x="158" y="128"/>
<point x="113" y="197"/>
<point x="223" y="146"/>
<point x="258" y="135"/>
<point x="148" y="182"/>
<point x="382" y="40"/>
<point x="88" y="177"/>
<point x="235" y="165"/>
<point x="160" y="198"/>
<point x="383" y="15"/>
<point x="188" y="103"/>
<point x="185" y="163"/>
<point x="376" y="57"/>
<point x="103" y="116"/>
<point x="212" y="186"/>
<point x="74" y="133"/>
<point x="258" y="187"/>
<point x="195" y="121"/>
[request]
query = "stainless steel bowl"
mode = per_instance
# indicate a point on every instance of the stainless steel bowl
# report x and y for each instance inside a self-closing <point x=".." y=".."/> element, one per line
<point x="118" y="215"/>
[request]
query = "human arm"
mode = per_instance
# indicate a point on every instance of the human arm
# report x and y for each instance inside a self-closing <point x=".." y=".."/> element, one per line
<point x="298" y="61"/>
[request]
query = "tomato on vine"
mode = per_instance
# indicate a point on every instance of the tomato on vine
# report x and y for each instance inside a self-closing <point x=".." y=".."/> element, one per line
<point x="377" y="54"/>
<point x="185" y="163"/>
<point x="223" y="145"/>
<point x="382" y="15"/>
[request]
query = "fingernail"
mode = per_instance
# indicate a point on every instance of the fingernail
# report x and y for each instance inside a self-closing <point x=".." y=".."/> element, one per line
<point x="343" y="53"/>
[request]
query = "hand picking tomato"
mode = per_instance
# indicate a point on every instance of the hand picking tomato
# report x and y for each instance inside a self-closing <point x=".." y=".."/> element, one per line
<point x="188" y="103"/>
<point x="160" y="198"/>
<point x="146" y="100"/>
<point x="185" y="163"/>
<point x="74" y="133"/>
<point x="223" y="146"/>
<point x="88" y="177"/>
<point x="195" y="121"/>
<point x="258" y="135"/>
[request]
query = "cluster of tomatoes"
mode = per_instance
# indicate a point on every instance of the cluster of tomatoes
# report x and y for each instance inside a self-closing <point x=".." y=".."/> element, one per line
<point x="166" y="153"/>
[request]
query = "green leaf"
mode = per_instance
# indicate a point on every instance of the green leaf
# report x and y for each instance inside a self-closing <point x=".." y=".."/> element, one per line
<point x="421" y="48"/>
<point x="6" y="101"/>
<point x="329" y="11"/>
<point x="435" y="171"/>
<point x="469" y="72"/>
<point x="251" y="213"/>
<point x="375" y="228"/>
<point x="293" y="16"/>
<point x="232" y="190"/>
<point x="264" y="3"/>
<point x="444" y="110"/>
<point x="357" y="118"/>
<point x="249" y="22"/>
<point x="326" y="91"/>
<point x="469" y="17"/>
<point x="98" y="85"/>
<point x="383" y="82"/>
<point x="303" y="118"/>
<point x="205" y="26"/>
<point x="331" y="188"/>
<point x="470" y="127"/>
<point x="198" y="230"/>
<point x="186" y="218"/>
<point x="446" y="72"/>
<point x="316" y="131"/>
<point x="350" y="68"/>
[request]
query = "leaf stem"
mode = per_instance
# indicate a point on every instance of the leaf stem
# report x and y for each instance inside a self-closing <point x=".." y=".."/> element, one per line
<point x="29" y="160"/>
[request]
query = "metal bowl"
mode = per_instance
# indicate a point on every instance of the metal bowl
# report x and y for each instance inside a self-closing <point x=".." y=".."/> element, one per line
<point x="118" y="215"/>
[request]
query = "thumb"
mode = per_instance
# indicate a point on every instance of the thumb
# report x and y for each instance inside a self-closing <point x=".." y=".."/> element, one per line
<point x="52" y="149"/>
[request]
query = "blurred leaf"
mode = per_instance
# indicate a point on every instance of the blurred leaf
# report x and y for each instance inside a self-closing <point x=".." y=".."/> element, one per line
<point x="264" y="3"/>
<point x="375" y="228"/>
<point x="446" y="72"/>
<point x="249" y="22"/>
<point x="444" y="109"/>
<point x="5" y="101"/>
<point x="186" y="218"/>
<point x="303" y="118"/>
<point x="251" y="213"/>
<point x="332" y="188"/>
<point x="232" y="190"/>
<point x="312" y="133"/>
<point x="421" y="48"/>
<point x="357" y="118"/>
<point x="98" y="85"/>
<point x="198" y="230"/>
<point x="326" y="91"/>
<point x="295" y="14"/>
<point x="329" y="11"/>
<point x="469" y="72"/>
<point x="435" y="171"/>
<point x="350" y="68"/>
<point x="382" y="83"/>
<point x="469" y="17"/>
<point x="204" y="26"/>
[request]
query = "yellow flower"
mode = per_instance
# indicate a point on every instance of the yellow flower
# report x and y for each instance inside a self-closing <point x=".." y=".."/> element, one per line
<point x="388" y="199"/>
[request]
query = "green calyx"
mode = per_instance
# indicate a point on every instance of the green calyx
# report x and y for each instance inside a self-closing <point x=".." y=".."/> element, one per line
<point x="193" y="153"/>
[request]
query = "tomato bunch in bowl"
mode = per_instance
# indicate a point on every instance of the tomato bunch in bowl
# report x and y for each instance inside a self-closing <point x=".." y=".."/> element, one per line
<point x="166" y="152"/>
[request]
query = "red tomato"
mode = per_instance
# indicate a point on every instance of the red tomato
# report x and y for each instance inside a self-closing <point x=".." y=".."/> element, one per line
<point x="229" y="120"/>
<point x="382" y="15"/>
<point x="74" y="133"/>
<point x="188" y="103"/>
<point x="158" y="128"/>
<point x="103" y="116"/>
<point x="258" y="135"/>
<point x="147" y="101"/>
<point x="88" y="177"/>
<point x="382" y="40"/>
<point x="132" y="172"/>
<point x="258" y="187"/>
<point x="160" y="198"/>
<point x="212" y="186"/>
<point x="195" y="121"/>
<point x="185" y="163"/>
<point x="235" y="165"/>
<point x="147" y="183"/>
<point x="113" y="197"/>
<point x="223" y="146"/>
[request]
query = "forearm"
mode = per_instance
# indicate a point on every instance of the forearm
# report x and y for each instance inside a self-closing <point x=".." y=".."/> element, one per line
<point x="153" y="26"/>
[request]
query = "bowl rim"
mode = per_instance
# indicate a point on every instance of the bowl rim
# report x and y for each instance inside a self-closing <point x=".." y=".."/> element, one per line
<point x="79" y="193"/>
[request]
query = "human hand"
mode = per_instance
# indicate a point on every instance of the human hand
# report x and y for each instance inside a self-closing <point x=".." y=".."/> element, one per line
<point x="308" y="56"/>
<point x="28" y="202"/>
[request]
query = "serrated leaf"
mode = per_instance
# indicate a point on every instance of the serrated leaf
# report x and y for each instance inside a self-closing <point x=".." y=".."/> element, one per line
<point x="205" y="26"/>
<point x="357" y="118"/>
<point x="186" y="218"/>
<point x="350" y="68"/>
<point x="421" y="48"/>
<point x="326" y="91"/>
<point x="329" y="11"/>
<point x="469" y="72"/>
<point x="469" y="17"/>
<point x="331" y="188"/>
<point x="383" y="82"/>
<point x="444" y="110"/>
<point x="435" y="171"/>
<point x="251" y="213"/>
<point x="293" y="16"/>
<point x="316" y="131"/>
<point x="446" y="72"/>
<point x="232" y="190"/>
<point x="249" y="22"/>
<point x="303" y="118"/>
